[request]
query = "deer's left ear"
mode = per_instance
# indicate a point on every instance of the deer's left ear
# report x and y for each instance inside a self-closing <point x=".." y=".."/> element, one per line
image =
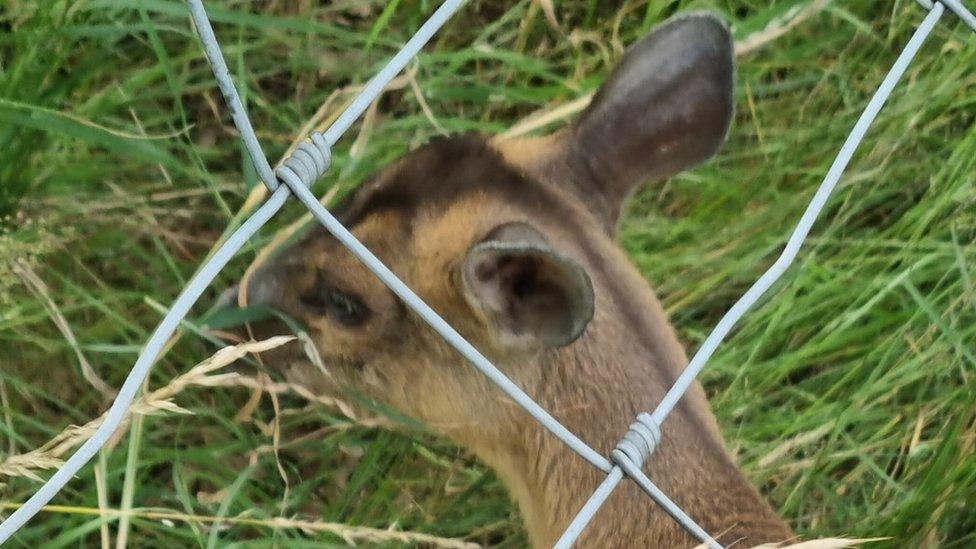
<point x="665" y="108"/>
<point x="526" y="290"/>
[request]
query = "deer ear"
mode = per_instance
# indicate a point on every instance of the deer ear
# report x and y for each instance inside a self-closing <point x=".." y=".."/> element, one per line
<point x="526" y="289"/>
<point x="666" y="107"/>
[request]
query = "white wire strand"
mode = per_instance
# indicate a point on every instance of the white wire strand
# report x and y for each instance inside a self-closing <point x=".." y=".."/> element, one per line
<point x="207" y="273"/>
<point x="687" y="377"/>
<point x="957" y="7"/>
<point x="237" y="111"/>
<point x="592" y="505"/>
<point x="450" y="335"/>
<point x="799" y="234"/>
<point x="149" y="354"/>
<point x="307" y="164"/>
<point x="301" y="169"/>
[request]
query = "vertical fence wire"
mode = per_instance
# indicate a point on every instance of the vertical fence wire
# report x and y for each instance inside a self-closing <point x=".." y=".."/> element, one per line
<point x="238" y="113"/>
<point x="312" y="159"/>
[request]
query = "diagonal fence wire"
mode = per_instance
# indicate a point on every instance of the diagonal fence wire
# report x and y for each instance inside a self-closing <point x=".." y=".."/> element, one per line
<point x="755" y="292"/>
<point x="752" y="295"/>
<point x="220" y="258"/>
<point x="312" y="159"/>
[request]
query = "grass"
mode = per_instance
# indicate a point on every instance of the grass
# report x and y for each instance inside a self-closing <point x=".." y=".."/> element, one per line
<point x="847" y="395"/>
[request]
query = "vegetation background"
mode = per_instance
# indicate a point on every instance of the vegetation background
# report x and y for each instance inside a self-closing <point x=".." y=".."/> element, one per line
<point x="848" y="395"/>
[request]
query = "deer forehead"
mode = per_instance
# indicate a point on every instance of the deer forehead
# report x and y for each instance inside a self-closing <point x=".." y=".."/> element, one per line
<point x="440" y="199"/>
<point x="443" y="234"/>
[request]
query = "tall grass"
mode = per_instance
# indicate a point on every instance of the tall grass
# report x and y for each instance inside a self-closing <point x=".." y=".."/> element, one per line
<point x="847" y="395"/>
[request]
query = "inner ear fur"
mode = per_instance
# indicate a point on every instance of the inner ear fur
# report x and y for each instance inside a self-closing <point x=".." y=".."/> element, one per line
<point x="525" y="289"/>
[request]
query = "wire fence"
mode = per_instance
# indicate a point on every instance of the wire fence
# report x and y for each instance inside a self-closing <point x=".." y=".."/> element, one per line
<point x="312" y="159"/>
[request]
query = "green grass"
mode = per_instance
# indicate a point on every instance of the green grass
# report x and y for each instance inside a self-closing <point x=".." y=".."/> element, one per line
<point x="848" y="395"/>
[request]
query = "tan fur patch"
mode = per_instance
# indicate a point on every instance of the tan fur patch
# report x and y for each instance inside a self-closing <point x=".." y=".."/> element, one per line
<point x="525" y="152"/>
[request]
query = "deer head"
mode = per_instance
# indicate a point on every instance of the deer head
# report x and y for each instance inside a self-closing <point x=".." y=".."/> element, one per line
<point x="512" y="242"/>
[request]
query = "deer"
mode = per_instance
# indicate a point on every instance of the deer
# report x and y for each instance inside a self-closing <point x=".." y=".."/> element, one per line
<point x="512" y="241"/>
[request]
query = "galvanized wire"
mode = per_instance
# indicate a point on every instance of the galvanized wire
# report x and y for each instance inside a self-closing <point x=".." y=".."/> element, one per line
<point x="802" y="229"/>
<point x="238" y="113"/>
<point x="165" y="330"/>
<point x="957" y="7"/>
<point x="450" y="335"/>
<point x="219" y="259"/>
<point x="633" y="468"/>
<point x="312" y="159"/>
<point x="738" y="310"/>
<point x="304" y="167"/>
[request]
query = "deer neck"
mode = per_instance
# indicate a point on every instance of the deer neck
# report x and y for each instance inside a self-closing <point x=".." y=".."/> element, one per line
<point x="625" y="363"/>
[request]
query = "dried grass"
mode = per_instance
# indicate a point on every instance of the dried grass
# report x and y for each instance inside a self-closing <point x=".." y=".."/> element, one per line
<point x="823" y="543"/>
<point x="33" y="282"/>
<point x="353" y="535"/>
<point x="48" y="456"/>
<point x="205" y="374"/>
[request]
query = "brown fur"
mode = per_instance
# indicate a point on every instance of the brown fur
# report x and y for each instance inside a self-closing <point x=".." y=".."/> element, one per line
<point x="665" y="108"/>
<point x="420" y="218"/>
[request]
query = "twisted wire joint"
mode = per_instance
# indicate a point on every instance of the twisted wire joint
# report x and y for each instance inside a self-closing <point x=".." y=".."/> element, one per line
<point x="639" y="442"/>
<point x="310" y="161"/>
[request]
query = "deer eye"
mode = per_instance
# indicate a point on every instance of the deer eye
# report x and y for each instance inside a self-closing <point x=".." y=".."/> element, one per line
<point x="345" y="309"/>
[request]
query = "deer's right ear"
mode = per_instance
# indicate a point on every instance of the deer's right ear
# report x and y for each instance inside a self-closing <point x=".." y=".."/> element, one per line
<point x="666" y="107"/>
<point x="525" y="289"/>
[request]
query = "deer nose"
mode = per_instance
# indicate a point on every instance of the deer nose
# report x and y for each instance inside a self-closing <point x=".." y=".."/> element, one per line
<point x="263" y="289"/>
<point x="228" y="298"/>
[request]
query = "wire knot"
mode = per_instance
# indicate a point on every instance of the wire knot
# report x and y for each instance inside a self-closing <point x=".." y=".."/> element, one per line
<point x="639" y="442"/>
<point x="308" y="162"/>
